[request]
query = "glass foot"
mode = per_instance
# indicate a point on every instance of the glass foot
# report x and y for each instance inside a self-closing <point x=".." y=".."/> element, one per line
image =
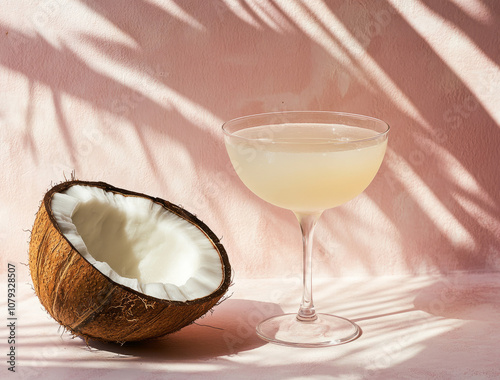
<point x="326" y="330"/>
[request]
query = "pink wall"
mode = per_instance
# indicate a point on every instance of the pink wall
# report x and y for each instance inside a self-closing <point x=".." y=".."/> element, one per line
<point x="134" y="94"/>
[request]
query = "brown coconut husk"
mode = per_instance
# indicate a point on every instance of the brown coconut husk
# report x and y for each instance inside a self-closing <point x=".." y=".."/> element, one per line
<point x="88" y="303"/>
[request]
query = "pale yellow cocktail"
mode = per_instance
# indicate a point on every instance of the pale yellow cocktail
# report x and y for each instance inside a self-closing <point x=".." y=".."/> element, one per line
<point x="306" y="169"/>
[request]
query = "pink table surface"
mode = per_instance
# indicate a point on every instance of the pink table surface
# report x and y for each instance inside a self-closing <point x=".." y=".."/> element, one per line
<point x="413" y="328"/>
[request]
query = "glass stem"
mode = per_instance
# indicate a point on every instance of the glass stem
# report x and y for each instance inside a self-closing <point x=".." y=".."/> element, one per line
<point x="307" y="223"/>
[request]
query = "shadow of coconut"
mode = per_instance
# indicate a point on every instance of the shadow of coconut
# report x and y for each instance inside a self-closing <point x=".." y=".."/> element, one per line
<point x="461" y="298"/>
<point x="228" y="330"/>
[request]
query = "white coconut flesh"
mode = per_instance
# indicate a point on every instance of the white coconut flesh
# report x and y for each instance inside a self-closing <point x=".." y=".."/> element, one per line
<point x="139" y="244"/>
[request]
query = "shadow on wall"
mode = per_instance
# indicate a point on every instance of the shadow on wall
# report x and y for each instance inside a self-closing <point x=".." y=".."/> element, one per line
<point x="179" y="70"/>
<point x="438" y="187"/>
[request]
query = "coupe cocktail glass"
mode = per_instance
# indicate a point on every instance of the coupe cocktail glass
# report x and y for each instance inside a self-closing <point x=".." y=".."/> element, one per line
<point x="306" y="162"/>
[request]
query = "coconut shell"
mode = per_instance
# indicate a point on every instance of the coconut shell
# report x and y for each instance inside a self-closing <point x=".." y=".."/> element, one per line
<point x="88" y="303"/>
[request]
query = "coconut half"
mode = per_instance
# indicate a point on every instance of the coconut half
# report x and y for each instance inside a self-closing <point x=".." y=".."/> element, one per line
<point x="114" y="265"/>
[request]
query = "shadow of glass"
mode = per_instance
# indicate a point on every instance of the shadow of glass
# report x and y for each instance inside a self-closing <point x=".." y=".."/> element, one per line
<point x="228" y="331"/>
<point x="461" y="299"/>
